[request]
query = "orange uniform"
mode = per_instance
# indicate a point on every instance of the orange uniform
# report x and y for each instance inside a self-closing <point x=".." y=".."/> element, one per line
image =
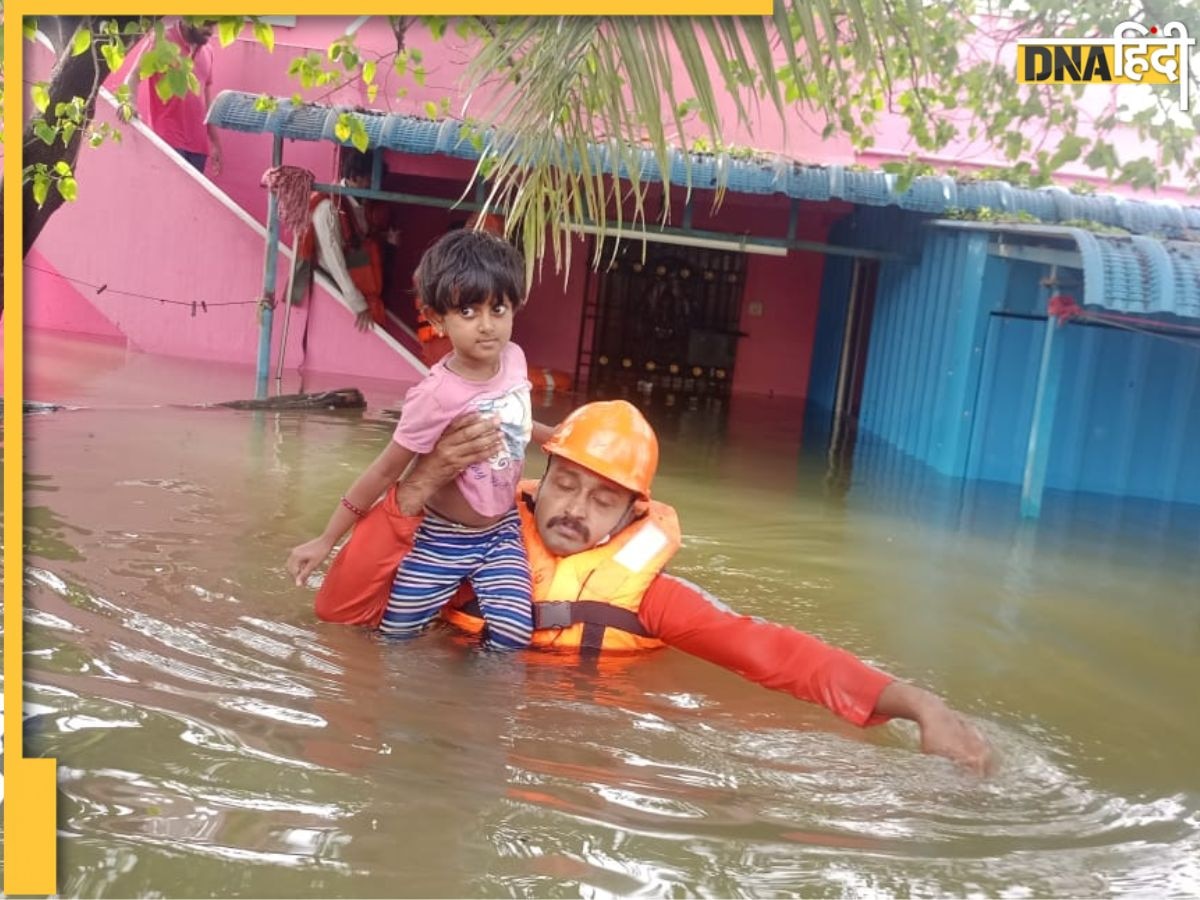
<point x="670" y="611"/>
<point x="364" y="261"/>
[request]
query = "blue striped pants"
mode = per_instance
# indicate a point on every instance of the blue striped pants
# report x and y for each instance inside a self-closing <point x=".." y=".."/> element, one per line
<point x="445" y="553"/>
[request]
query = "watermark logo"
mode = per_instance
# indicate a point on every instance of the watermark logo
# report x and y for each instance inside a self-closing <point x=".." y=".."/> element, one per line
<point x="1134" y="55"/>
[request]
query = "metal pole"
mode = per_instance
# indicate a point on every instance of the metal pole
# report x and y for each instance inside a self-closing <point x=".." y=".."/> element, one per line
<point x="263" y="369"/>
<point x="287" y="312"/>
<point x="1037" y="451"/>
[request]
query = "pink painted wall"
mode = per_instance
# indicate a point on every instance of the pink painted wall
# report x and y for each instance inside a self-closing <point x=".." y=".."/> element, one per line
<point x="177" y="240"/>
<point x="52" y="303"/>
<point x="194" y="247"/>
<point x="245" y="65"/>
<point x="548" y="327"/>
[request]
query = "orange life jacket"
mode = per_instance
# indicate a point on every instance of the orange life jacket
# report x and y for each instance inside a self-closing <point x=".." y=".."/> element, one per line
<point x="590" y="599"/>
<point x="364" y="261"/>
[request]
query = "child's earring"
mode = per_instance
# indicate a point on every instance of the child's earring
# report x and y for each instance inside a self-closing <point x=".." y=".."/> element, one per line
<point x="438" y="330"/>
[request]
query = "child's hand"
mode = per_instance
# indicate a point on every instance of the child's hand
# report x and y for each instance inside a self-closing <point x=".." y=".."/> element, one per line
<point x="304" y="558"/>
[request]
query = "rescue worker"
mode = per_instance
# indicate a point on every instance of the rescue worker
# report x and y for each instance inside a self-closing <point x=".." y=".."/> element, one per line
<point x="597" y="546"/>
<point x="341" y="239"/>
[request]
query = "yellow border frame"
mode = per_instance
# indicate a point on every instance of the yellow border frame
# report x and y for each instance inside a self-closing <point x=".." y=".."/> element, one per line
<point x="30" y="796"/>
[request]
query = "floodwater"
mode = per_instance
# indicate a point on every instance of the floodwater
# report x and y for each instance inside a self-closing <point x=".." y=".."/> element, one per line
<point x="213" y="739"/>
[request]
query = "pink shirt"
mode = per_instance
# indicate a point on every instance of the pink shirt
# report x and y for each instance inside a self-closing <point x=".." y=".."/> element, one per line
<point x="180" y="121"/>
<point x="429" y="406"/>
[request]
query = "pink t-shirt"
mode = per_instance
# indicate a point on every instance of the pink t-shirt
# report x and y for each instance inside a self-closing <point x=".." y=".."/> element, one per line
<point x="430" y="405"/>
<point x="180" y="121"/>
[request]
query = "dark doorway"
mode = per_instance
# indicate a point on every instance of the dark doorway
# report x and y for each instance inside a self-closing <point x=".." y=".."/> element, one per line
<point x="666" y="325"/>
<point x="852" y="368"/>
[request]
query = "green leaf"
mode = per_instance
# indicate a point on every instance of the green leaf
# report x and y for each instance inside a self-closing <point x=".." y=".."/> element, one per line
<point x="341" y="130"/>
<point x="41" y="187"/>
<point x="372" y="92"/>
<point x="81" y="42"/>
<point x="431" y="109"/>
<point x="228" y="29"/>
<point x="266" y="35"/>
<point x="436" y="26"/>
<point x="151" y="61"/>
<point x="418" y="74"/>
<point x="30" y="28"/>
<point x="68" y="132"/>
<point x="46" y="132"/>
<point x="68" y="188"/>
<point x="368" y="72"/>
<point x="62" y="167"/>
<point x="359" y="137"/>
<point x="41" y="96"/>
<point x="114" y="54"/>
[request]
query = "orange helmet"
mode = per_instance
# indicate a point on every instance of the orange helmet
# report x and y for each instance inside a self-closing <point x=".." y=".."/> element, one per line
<point x="611" y="438"/>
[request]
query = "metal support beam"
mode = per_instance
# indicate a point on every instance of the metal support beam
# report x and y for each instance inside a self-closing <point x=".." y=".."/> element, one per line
<point x="397" y="197"/>
<point x="376" y="169"/>
<point x="1049" y="256"/>
<point x="266" y="310"/>
<point x="742" y="243"/>
<point x="751" y="244"/>
<point x="1037" y="452"/>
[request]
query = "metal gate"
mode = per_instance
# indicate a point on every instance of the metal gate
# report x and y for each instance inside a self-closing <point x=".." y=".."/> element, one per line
<point x="667" y="325"/>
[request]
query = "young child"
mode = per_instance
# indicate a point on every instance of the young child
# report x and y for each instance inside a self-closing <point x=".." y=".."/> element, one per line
<point x="470" y="284"/>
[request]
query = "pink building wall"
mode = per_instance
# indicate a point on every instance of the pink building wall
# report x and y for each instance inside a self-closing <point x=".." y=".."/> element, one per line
<point x="157" y="250"/>
<point x="194" y="242"/>
<point x="245" y="65"/>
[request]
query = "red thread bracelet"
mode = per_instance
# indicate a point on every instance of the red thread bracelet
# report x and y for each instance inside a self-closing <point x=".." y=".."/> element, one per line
<point x="358" y="511"/>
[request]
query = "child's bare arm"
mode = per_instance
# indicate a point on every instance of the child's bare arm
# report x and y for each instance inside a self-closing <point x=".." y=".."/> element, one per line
<point x="367" y="488"/>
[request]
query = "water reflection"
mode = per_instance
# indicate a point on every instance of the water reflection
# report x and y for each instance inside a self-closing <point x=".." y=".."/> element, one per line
<point x="202" y="718"/>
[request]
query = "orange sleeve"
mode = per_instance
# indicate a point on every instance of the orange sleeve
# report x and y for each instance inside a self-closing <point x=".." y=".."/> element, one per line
<point x="356" y="587"/>
<point x="683" y="615"/>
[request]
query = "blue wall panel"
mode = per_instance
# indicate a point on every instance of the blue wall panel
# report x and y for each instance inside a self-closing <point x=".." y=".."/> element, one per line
<point x="831" y="327"/>
<point x="926" y="348"/>
<point x="1005" y="410"/>
<point x="951" y="382"/>
<point x="1128" y="410"/>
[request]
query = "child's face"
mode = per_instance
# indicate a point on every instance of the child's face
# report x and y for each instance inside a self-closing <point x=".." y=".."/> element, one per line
<point x="478" y="332"/>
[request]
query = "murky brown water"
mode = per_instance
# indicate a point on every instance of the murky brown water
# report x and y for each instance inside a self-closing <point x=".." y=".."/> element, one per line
<point x="212" y="738"/>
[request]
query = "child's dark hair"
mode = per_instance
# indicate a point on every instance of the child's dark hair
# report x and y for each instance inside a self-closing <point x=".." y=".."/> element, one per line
<point x="466" y="267"/>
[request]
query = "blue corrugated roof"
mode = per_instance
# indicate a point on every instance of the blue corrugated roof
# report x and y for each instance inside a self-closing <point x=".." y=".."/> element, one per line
<point x="1126" y="273"/>
<point x="935" y="194"/>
